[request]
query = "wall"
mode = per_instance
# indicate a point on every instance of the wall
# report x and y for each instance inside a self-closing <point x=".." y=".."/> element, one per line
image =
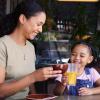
<point x="2" y="8"/>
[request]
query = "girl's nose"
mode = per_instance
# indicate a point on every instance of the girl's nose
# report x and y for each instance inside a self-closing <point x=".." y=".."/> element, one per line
<point x="77" y="56"/>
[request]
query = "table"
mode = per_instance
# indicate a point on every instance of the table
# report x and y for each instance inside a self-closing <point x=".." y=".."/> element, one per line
<point x="67" y="97"/>
<point x="91" y="97"/>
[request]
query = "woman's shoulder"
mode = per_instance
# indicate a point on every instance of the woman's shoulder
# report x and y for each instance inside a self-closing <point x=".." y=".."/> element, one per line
<point x="3" y="44"/>
<point x="29" y="44"/>
<point x="4" y="39"/>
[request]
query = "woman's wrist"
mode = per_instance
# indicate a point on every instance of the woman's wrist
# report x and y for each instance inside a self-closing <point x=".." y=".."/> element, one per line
<point x="32" y="78"/>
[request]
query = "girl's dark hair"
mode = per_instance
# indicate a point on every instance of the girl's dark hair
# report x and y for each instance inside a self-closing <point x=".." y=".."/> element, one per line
<point x="9" y="22"/>
<point x="92" y="51"/>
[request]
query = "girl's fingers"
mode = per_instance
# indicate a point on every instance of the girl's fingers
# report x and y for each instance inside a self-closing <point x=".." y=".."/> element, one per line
<point x="85" y="91"/>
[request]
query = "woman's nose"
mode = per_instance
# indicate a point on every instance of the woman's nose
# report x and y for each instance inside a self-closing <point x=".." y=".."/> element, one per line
<point x="40" y="29"/>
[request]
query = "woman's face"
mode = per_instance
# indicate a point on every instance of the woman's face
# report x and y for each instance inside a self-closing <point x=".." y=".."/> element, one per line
<point x="33" y="25"/>
<point x="81" y="55"/>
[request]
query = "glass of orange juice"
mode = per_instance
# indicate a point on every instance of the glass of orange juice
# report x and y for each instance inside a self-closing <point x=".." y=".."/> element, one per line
<point x="71" y="74"/>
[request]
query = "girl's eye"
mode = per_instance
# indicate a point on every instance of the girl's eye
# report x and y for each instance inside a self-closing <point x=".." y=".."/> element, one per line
<point x="73" y="54"/>
<point x="82" y="56"/>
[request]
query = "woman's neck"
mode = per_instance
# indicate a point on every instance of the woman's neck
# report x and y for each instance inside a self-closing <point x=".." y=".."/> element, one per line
<point x="18" y="36"/>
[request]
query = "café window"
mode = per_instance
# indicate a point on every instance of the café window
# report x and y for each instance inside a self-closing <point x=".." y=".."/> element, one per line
<point x="11" y="4"/>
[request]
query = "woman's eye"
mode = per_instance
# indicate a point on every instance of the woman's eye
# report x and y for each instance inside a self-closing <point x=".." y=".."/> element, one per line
<point x="38" y="24"/>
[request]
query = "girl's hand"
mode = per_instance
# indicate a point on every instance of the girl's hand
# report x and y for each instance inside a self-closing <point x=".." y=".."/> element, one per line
<point x="85" y="91"/>
<point x="64" y="79"/>
<point x="45" y="73"/>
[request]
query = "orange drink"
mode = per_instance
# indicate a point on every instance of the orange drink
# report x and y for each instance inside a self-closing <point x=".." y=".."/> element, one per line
<point x="71" y="78"/>
<point x="71" y="74"/>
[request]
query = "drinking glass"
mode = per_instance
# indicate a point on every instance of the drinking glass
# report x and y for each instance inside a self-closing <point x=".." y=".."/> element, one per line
<point x="71" y="74"/>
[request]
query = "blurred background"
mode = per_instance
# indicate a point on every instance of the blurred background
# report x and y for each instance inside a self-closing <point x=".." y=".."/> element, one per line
<point x="67" y="22"/>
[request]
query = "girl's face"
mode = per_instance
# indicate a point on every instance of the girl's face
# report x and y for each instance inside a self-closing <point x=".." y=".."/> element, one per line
<point x="81" y="55"/>
<point x="33" y="25"/>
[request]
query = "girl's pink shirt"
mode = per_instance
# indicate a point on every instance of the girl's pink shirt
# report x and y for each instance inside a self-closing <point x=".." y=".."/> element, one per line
<point x="93" y="76"/>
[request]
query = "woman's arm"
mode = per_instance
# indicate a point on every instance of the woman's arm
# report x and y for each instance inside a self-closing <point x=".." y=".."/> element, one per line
<point x="7" y="89"/>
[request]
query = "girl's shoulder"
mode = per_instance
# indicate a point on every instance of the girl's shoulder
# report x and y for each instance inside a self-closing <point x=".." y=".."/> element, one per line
<point x="94" y="74"/>
<point x="91" y="70"/>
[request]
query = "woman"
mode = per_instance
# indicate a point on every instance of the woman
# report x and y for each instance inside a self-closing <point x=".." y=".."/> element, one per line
<point x="17" y="56"/>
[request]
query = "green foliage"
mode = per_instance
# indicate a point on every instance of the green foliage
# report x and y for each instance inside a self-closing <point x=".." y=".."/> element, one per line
<point x="96" y="39"/>
<point x="48" y="5"/>
<point x="81" y="27"/>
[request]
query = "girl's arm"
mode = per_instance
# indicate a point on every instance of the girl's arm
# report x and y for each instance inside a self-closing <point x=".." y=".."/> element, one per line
<point x="96" y="90"/>
<point x="90" y="91"/>
<point x="59" y="88"/>
<point x="61" y="85"/>
<point x="96" y="74"/>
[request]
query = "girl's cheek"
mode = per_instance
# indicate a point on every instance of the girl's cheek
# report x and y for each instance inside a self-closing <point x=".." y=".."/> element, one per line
<point x="72" y="59"/>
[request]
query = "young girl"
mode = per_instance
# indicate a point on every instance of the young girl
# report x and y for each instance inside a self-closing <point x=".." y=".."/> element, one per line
<point x="83" y="54"/>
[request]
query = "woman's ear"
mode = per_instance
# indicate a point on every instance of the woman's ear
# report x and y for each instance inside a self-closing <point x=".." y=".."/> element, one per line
<point x="22" y="19"/>
<point x="90" y="59"/>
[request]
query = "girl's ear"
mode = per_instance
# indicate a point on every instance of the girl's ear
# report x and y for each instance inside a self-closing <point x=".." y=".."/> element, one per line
<point x="22" y="18"/>
<point x="90" y="59"/>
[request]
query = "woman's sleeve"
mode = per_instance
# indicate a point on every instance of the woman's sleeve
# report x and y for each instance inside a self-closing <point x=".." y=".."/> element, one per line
<point x="3" y="55"/>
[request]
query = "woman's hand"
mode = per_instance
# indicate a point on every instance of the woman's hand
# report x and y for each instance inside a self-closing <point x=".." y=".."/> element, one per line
<point x="45" y="73"/>
<point x="85" y="91"/>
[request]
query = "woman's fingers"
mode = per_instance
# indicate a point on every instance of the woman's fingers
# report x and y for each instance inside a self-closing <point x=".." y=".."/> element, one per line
<point x="48" y="72"/>
<point x="53" y="73"/>
<point x="45" y="73"/>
